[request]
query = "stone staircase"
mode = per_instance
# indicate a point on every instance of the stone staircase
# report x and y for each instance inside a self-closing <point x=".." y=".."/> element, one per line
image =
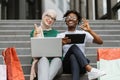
<point x="15" y="33"/>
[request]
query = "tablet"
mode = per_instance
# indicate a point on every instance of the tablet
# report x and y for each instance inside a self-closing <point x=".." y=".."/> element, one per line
<point x="76" y="38"/>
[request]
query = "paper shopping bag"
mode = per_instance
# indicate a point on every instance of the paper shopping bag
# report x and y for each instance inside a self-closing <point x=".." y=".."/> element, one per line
<point x="3" y="75"/>
<point x="109" y="61"/>
<point x="14" y="69"/>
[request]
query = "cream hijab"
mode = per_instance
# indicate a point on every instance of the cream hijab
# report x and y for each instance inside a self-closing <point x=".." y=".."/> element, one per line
<point x="48" y="11"/>
<point x="42" y="25"/>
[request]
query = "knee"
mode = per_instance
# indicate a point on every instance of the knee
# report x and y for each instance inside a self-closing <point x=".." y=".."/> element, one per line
<point x="57" y="60"/>
<point x="43" y="59"/>
<point x="74" y="46"/>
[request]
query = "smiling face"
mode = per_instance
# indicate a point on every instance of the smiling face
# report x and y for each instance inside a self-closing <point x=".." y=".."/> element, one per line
<point x="48" y="18"/>
<point x="71" y="21"/>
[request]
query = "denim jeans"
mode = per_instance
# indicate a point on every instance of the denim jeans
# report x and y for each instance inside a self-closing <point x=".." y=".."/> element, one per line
<point x="74" y="62"/>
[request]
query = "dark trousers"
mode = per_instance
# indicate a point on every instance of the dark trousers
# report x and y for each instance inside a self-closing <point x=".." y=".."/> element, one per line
<point x="74" y="62"/>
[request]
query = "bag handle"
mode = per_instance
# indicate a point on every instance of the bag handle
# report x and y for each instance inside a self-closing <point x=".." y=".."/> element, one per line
<point x="3" y="55"/>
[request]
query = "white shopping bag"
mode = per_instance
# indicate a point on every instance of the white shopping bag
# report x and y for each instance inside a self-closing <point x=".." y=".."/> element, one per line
<point x="3" y="75"/>
<point x="109" y="61"/>
<point x="3" y="71"/>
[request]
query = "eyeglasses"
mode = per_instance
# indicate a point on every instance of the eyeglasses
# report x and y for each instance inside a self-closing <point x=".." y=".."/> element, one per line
<point x="51" y="17"/>
<point x="71" y="18"/>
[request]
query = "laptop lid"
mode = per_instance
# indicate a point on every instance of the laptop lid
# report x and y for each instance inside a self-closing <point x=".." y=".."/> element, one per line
<point x="76" y="38"/>
<point x="48" y="47"/>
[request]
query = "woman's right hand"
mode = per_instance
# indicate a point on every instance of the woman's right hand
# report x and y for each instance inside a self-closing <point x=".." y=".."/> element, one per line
<point x="38" y="32"/>
<point x="66" y="40"/>
<point x="33" y="71"/>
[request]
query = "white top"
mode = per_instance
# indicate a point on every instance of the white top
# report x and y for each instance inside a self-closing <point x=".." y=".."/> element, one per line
<point x="88" y="38"/>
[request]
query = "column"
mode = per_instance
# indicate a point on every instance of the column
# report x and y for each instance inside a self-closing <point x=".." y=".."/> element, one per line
<point x="39" y="9"/>
<point x="72" y="3"/>
<point x="77" y="7"/>
<point x="13" y="9"/>
<point x="22" y="9"/>
<point x="91" y="10"/>
<point x="0" y="11"/>
<point x="80" y="6"/>
<point x="99" y="8"/>
<point x="118" y="11"/>
<point x="83" y="8"/>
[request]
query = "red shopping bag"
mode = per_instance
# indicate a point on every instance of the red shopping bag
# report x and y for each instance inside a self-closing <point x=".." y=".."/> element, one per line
<point x="14" y="69"/>
<point x="108" y="53"/>
<point x="108" y="60"/>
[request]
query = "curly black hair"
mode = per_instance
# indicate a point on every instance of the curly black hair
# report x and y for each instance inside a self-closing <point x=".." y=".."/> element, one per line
<point x="75" y="12"/>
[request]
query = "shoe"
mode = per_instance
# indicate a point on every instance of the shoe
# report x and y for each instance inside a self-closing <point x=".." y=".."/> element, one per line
<point x="95" y="73"/>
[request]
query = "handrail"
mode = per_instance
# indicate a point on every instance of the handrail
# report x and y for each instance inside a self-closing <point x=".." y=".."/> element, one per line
<point x="114" y="9"/>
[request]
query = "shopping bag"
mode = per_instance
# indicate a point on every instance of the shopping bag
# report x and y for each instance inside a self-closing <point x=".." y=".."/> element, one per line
<point x="108" y="60"/>
<point x="3" y="75"/>
<point x="14" y="69"/>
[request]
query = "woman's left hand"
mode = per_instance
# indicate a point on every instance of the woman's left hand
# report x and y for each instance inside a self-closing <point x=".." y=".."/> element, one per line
<point x="85" y="26"/>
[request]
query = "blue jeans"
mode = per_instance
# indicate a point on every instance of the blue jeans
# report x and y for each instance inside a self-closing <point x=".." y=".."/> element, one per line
<point x="74" y="62"/>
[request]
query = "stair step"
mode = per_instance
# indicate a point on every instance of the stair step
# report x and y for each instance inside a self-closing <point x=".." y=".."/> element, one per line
<point x="26" y="44"/>
<point x="30" y="27"/>
<point x="26" y="59"/>
<point x="27" y="37"/>
<point x="90" y="51"/>
<point x="27" y="32"/>
<point x="14" y="38"/>
<point x="63" y="77"/>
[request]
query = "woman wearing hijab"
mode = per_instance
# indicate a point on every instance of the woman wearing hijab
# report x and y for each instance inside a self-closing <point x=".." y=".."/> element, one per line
<point x="47" y="67"/>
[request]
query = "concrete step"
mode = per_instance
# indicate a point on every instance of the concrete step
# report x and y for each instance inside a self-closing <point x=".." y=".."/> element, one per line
<point x="18" y="44"/>
<point x="28" y="24"/>
<point x="58" y="22"/>
<point x="15" y="38"/>
<point x="110" y="37"/>
<point x="27" y="32"/>
<point x="26" y="44"/>
<point x="30" y="27"/>
<point x="16" y="27"/>
<point x="27" y="51"/>
<point x="27" y="37"/>
<point x="63" y="77"/>
<point x="26" y="59"/>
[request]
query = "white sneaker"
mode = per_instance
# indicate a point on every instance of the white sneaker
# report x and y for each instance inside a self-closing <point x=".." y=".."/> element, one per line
<point x="95" y="73"/>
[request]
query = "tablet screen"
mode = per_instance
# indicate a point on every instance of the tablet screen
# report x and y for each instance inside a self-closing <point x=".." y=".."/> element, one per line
<point x="76" y="38"/>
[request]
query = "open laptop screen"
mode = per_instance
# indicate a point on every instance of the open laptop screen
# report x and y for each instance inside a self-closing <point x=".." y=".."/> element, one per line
<point x="76" y="38"/>
<point x="48" y="47"/>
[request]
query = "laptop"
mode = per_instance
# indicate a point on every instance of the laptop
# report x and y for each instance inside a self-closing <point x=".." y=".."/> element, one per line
<point x="48" y="47"/>
<point x="76" y="38"/>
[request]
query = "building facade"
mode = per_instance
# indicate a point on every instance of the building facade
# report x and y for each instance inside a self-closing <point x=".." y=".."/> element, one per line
<point x="33" y="9"/>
